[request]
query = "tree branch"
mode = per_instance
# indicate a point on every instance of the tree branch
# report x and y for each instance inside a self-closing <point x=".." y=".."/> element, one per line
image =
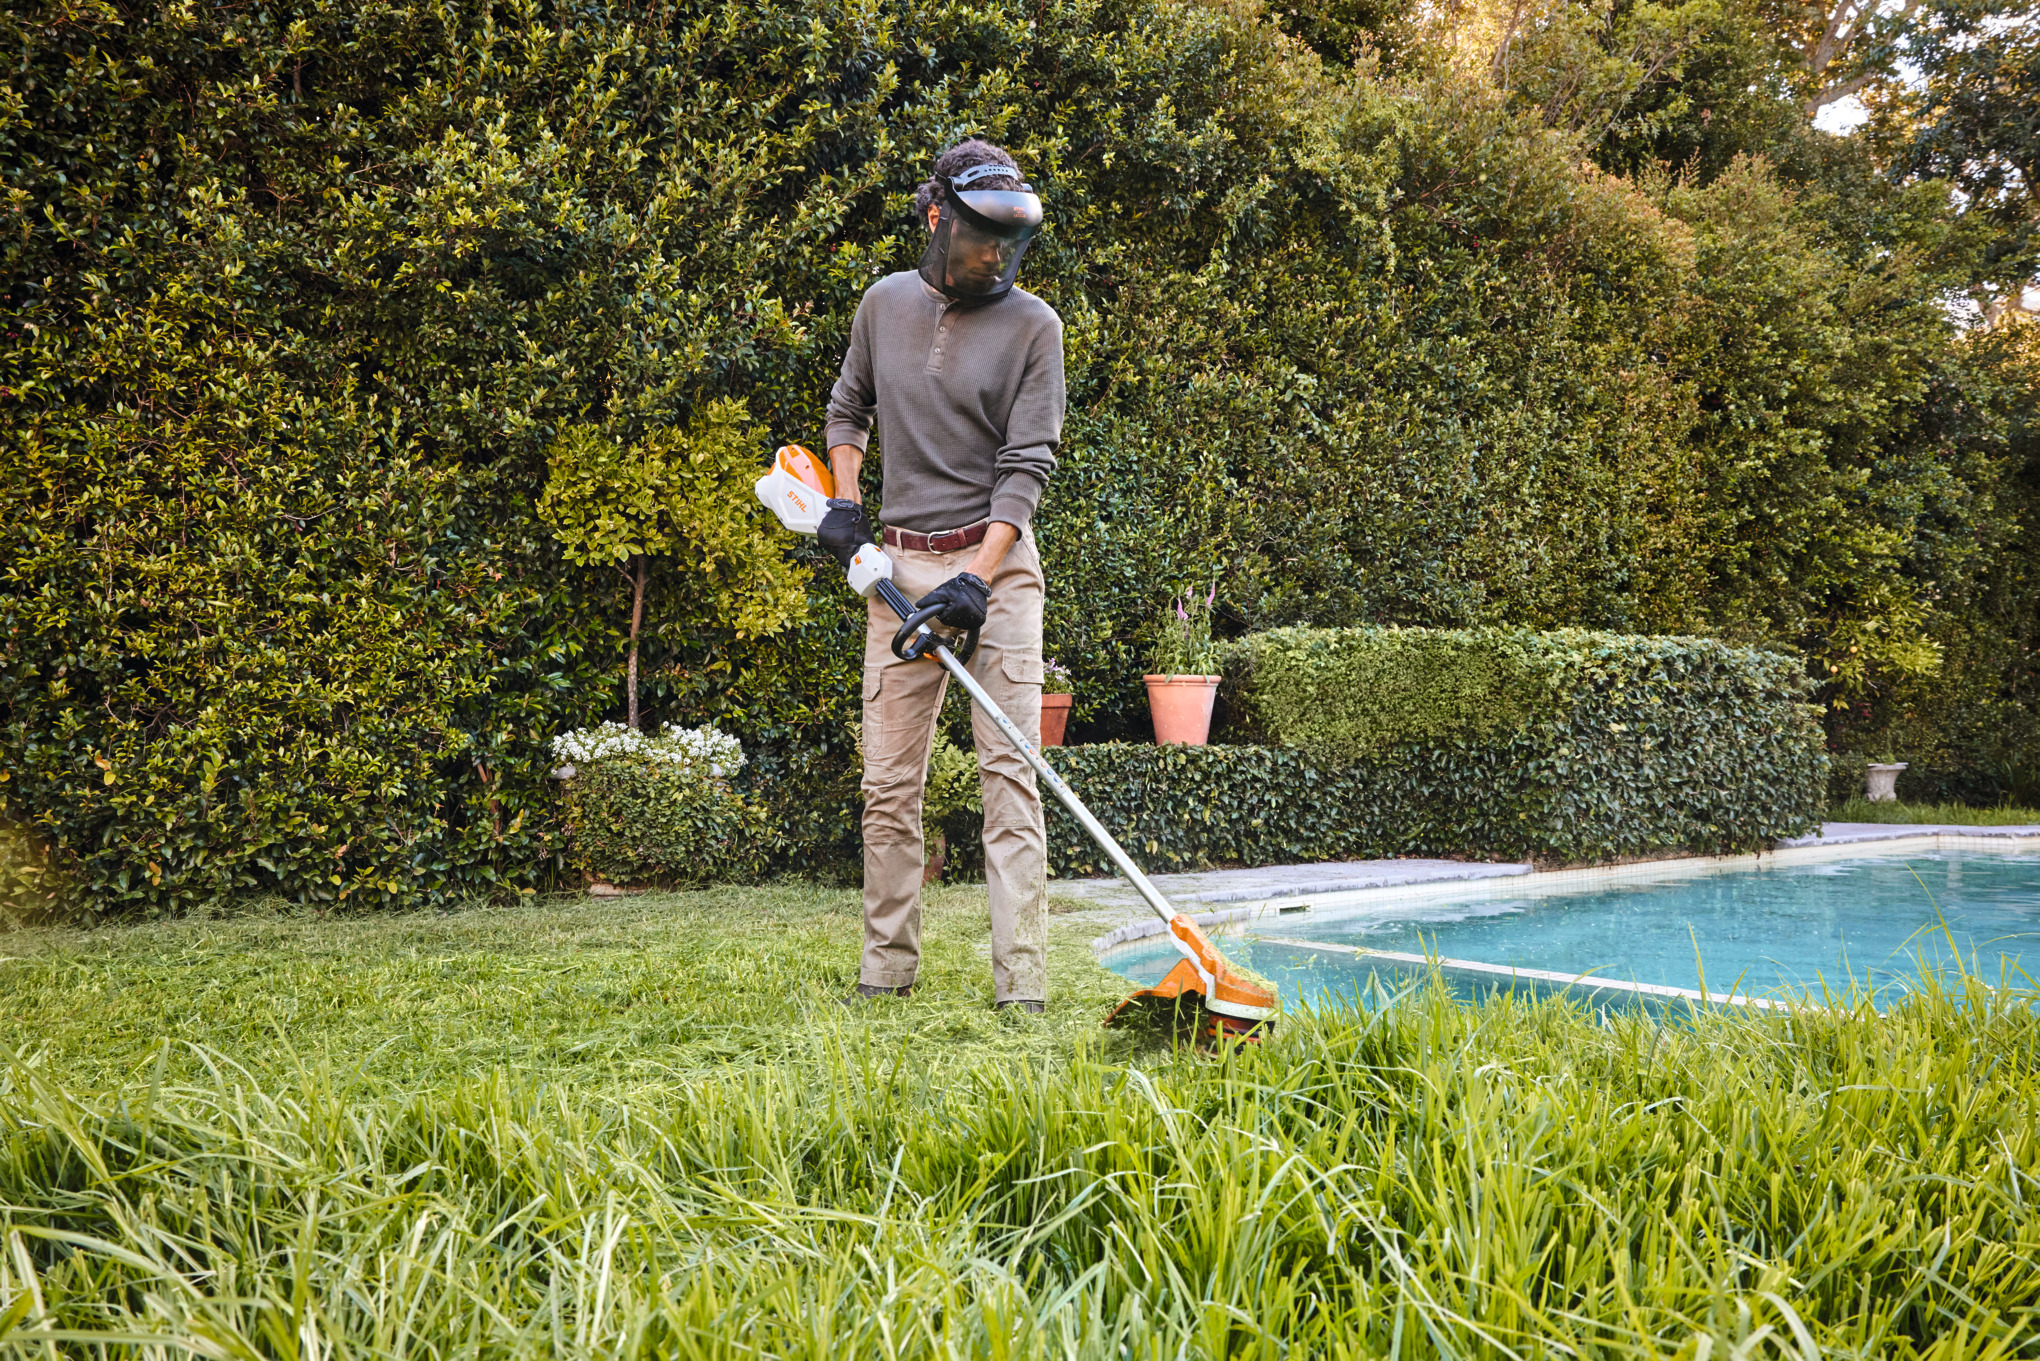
<point x="1839" y="90"/>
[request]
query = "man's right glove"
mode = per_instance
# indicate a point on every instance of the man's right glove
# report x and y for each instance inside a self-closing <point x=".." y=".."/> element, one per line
<point x="964" y="599"/>
<point x="843" y="530"/>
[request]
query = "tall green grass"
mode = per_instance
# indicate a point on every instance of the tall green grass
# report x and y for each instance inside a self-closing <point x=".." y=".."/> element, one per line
<point x="1429" y="1180"/>
<point x="1862" y="810"/>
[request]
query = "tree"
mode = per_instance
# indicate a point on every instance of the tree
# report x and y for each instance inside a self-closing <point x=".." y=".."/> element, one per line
<point x="1844" y="45"/>
<point x="1972" y="118"/>
<point x="1579" y="64"/>
<point x="679" y="494"/>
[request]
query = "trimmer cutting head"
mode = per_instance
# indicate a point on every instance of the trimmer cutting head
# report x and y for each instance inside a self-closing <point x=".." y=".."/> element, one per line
<point x="1217" y="1000"/>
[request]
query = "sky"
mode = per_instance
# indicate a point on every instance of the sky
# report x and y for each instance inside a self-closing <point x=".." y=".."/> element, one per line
<point x="1842" y="117"/>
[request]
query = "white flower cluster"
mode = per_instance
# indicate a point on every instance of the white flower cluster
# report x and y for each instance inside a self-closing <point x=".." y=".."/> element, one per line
<point x="706" y="751"/>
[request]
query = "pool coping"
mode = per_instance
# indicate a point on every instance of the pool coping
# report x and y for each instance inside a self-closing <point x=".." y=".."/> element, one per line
<point x="1803" y="851"/>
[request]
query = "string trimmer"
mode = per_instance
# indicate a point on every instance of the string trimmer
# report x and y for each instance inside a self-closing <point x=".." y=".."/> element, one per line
<point x="1228" y="1004"/>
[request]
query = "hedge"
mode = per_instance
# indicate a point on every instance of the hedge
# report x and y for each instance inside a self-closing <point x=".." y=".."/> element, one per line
<point x="634" y="822"/>
<point x="1561" y="747"/>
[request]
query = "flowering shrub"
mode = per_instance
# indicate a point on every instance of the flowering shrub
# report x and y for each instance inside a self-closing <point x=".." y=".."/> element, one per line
<point x="644" y="809"/>
<point x="1055" y="678"/>
<point x="705" y="751"/>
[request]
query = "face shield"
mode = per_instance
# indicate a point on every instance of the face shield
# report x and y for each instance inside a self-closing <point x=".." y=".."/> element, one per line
<point x="974" y="252"/>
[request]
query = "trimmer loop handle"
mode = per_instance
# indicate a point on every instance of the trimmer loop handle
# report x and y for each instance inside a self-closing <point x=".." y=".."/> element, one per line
<point x="915" y="638"/>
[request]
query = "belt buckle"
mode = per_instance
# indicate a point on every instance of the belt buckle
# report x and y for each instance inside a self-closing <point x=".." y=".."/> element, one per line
<point x="936" y="541"/>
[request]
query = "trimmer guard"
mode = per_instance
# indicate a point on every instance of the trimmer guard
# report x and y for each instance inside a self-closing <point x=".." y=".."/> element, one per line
<point x="1239" y="1007"/>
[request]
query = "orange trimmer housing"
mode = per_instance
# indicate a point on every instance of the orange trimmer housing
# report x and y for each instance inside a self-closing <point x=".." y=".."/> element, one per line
<point x="802" y="463"/>
<point x="1231" y="1007"/>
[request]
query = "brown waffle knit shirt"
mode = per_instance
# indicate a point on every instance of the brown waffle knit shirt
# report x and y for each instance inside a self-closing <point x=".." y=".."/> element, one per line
<point x="968" y="402"/>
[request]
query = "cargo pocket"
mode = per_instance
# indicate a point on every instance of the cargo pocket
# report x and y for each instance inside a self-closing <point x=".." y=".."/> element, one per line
<point x="1022" y="668"/>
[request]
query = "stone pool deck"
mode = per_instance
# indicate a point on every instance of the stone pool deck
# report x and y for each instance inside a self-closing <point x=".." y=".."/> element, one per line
<point x="1852" y="833"/>
<point x="1219" y="897"/>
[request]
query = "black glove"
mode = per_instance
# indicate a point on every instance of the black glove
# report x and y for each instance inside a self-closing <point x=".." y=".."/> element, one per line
<point x="843" y="530"/>
<point x="963" y="598"/>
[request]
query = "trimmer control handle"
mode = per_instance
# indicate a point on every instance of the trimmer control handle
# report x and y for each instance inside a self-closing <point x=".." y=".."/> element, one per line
<point x="915" y="638"/>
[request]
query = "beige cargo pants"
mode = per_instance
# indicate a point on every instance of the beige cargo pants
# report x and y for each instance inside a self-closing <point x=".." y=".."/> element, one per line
<point x="901" y="702"/>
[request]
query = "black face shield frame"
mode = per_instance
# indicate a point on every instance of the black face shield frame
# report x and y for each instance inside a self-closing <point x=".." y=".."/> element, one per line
<point x="980" y="235"/>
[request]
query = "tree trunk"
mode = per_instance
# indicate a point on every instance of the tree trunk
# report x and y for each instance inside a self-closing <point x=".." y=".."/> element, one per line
<point x="637" y="617"/>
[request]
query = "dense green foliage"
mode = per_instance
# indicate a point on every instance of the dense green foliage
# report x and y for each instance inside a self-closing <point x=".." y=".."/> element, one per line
<point x="647" y="1129"/>
<point x="1565" y="746"/>
<point x="294" y="305"/>
<point x="643" y="822"/>
<point x="677" y="495"/>
<point x="1343" y="694"/>
<point x="1971" y="121"/>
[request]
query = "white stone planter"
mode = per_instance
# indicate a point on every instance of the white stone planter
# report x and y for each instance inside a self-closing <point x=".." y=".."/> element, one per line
<point x="1882" y="784"/>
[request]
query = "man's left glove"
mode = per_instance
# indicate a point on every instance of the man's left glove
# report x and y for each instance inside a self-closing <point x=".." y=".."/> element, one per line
<point x="843" y="530"/>
<point x="963" y="598"/>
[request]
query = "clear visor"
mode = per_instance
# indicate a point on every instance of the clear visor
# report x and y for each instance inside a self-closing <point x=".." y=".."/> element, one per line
<point x="974" y="252"/>
<point x="979" y="263"/>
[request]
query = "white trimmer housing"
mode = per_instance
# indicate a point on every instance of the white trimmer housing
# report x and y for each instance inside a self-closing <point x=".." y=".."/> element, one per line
<point x="868" y="568"/>
<point x="798" y="503"/>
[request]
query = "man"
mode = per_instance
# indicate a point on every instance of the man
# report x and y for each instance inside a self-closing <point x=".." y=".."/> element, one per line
<point x="964" y="375"/>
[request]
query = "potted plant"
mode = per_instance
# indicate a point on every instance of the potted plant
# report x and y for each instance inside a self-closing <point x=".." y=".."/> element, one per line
<point x="1181" y="688"/>
<point x="1056" y="700"/>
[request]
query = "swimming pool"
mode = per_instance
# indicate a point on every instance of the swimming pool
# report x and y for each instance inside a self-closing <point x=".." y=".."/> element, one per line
<point x="1765" y="929"/>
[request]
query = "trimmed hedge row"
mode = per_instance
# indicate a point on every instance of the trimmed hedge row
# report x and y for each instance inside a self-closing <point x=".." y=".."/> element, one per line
<point x="1564" y="746"/>
<point x="1342" y="693"/>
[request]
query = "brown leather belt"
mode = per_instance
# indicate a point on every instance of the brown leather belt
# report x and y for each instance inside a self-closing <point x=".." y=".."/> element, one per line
<point x="946" y="542"/>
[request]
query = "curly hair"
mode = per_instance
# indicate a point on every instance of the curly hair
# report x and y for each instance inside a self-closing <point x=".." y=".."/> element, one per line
<point x="970" y="152"/>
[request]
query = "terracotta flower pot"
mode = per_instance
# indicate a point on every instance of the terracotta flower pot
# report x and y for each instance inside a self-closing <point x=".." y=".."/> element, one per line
<point x="1182" y="707"/>
<point x="938" y="858"/>
<point x="1881" y="782"/>
<point x="1055" y="718"/>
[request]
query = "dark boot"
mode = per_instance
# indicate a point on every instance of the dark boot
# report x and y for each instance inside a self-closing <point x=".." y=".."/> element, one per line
<point x="1036" y="1008"/>
<point x="865" y="992"/>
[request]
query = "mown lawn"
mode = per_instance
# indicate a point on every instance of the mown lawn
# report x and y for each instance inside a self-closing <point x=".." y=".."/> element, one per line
<point x="655" y="988"/>
<point x="644" y="1127"/>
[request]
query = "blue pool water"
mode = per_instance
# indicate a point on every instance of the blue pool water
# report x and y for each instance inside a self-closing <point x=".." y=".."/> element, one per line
<point x="1876" y="922"/>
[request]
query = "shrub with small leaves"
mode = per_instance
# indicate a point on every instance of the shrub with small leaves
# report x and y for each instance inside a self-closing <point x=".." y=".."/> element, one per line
<point x="660" y="810"/>
<point x="952" y="787"/>
<point x="707" y="752"/>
